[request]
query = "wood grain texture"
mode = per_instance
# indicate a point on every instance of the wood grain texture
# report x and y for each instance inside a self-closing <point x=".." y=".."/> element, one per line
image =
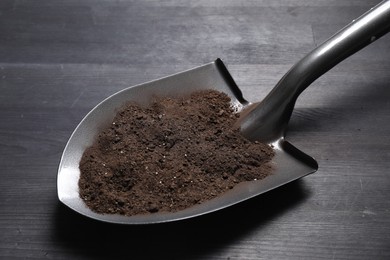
<point x="59" y="59"/>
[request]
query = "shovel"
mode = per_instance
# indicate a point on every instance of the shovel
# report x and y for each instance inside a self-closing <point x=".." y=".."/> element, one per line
<point x="265" y="121"/>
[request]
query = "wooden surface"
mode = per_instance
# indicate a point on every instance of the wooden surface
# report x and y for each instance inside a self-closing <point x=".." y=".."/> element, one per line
<point x="58" y="59"/>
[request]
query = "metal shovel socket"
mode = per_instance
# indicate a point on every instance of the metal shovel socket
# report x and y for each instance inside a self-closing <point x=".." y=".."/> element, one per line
<point x="265" y="121"/>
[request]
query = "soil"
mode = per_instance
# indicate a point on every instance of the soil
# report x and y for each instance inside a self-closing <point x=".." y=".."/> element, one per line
<point x="169" y="156"/>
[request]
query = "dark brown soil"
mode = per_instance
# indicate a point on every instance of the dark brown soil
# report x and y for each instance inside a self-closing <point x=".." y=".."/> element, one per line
<point x="169" y="156"/>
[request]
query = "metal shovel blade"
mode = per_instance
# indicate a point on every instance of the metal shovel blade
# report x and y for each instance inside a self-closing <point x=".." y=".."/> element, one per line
<point x="289" y="163"/>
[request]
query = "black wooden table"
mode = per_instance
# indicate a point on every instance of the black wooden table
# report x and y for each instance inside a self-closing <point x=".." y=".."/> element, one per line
<point x="58" y="59"/>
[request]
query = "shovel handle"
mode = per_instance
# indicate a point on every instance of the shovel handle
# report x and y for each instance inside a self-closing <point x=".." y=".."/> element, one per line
<point x="268" y="119"/>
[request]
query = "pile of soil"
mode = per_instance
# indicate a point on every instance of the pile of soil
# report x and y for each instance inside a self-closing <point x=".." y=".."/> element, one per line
<point x="169" y="156"/>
